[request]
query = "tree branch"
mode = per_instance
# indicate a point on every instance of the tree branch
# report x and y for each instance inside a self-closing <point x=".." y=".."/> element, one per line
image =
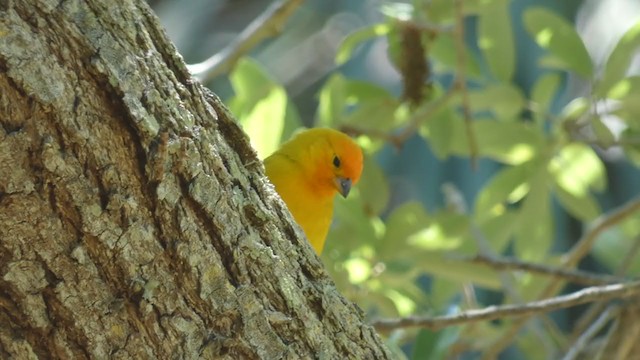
<point x="584" y="245"/>
<point x="591" y="294"/>
<point x="579" y="251"/>
<point x="268" y="24"/>
<point x="589" y="315"/>
<point x="420" y="116"/>
<point x="578" y="347"/>
<point x="575" y="276"/>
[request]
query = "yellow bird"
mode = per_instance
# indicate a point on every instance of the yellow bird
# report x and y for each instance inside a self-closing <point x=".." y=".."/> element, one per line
<point x="308" y="171"/>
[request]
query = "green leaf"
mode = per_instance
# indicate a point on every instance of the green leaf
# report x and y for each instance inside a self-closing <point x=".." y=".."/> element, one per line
<point x="544" y="93"/>
<point x="404" y="305"/>
<point x="629" y="110"/>
<point x="575" y="109"/>
<point x="495" y="39"/>
<point x="373" y="187"/>
<point x="508" y="142"/>
<point x="625" y="88"/>
<point x="352" y="227"/>
<point x="357" y="103"/>
<point x="499" y="230"/>
<point x="507" y="187"/>
<point x="435" y="345"/>
<point x="504" y="100"/>
<point x="441" y="265"/>
<point x="446" y="231"/>
<point x="370" y="106"/>
<point x="557" y="35"/>
<point x="615" y="242"/>
<point x="332" y="101"/>
<point x="602" y="132"/>
<point x="578" y="169"/>
<point x="352" y="40"/>
<point x="425" y="345"/>
<point x="583" y="207"/>
<point x="440" y="131"/>
<point x="627" y="92"/>
<point x="443" y="50"/>
<point x="442" y="292"/>
<point x="404" y="221"/>
<point x="630" y="139"/>
<point x="619" y="60"/>
<point x="262" y="107"/>
<point x="534" y="230"/>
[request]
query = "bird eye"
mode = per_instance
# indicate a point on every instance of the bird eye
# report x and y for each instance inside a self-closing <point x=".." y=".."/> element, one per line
<point x="336" y="161"/>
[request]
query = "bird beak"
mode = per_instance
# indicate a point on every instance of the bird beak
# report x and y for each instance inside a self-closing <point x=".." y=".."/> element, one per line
<point x="343" y="185"/>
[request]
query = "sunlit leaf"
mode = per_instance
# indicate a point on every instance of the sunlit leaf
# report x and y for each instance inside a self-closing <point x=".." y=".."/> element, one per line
<point x="508" y="186"/>
<point x="262" y="107"/>
<point x="534" y="230"/>
<point x="405" y="220"/>
<point x="624" y="88"/>
<point x="359" y="270"/>
<point x="495" y="39"/>
<point x="332" y="101"/>
<point x="619" y="60"/>
<point x="404" y="304"/>
<point x="507" y="142"/>
<point x="578" y="169"/>
<point x="575" y="109"/>
<point x="558" y="36"/>
<point x="446" y="231"/>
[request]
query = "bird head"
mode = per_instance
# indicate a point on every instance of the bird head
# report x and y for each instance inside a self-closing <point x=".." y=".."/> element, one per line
<point x="333" y="160"/>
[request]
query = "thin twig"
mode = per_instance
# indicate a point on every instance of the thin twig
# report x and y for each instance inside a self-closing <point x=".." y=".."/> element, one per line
<point x="420" y="116"/>
<point x="455" y="199"/>
<point x="595" y="309"/>
<point x="574" y="276"/>
<point x="579" y="250"/>
<point x="611" y="312"/>
<point x="268" y="24"/>
<point x="590" y="294"/>
<point x="426" y="111"/>
<point x="584" y="245"/>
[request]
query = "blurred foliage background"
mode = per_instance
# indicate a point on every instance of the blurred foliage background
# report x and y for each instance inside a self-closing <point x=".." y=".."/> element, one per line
<point x="492" y="129"/>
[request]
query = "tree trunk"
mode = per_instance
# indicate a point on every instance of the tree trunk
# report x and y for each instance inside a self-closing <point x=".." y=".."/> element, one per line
<point x="135" y="220"/>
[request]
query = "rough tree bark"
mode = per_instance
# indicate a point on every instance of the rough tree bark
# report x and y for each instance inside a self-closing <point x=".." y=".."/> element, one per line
<point x="135" y="220"/>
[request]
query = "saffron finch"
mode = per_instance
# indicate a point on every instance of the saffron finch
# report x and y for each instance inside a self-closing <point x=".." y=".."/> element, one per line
<point x="308" y="171"/>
